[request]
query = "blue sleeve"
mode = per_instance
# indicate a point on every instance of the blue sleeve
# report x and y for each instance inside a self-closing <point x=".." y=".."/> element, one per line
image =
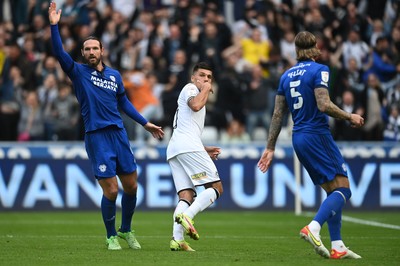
<point x="321" y="77"/>
<point x="130" y="110"/>
<point x="280" y="90"/>
<point x="63" y="57"/>
<point x="383" y="66"/>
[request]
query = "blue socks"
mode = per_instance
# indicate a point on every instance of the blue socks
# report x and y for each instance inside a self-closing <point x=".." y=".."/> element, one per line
<point x="334" y="226"/>
<point x="332" y="206"/>
<point x="108" y="211"/>
<point x="335" y="222"/>
<point x="128" y="204"/>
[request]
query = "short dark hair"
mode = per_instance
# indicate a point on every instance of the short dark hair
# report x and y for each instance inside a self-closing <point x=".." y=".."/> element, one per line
<point x="381" y="39"/>
<point x="92" y="38"/>
<point x="201" y="65"/>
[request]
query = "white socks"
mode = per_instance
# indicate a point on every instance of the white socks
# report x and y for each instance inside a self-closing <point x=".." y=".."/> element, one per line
<point x="203" y="200"/>
<point x="338" y="245"/>
<point x="178" y="230"/>
<point x="314" y="227"/>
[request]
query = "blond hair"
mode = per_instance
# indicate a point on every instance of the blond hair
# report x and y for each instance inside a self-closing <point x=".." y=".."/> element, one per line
<point x="306" y="46"/>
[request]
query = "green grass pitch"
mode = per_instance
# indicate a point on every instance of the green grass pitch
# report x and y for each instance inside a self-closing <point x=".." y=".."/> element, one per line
<point x="226" y="238"/>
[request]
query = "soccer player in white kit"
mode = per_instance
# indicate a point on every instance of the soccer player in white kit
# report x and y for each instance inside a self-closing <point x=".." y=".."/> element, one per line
<point x="190" y="161"/>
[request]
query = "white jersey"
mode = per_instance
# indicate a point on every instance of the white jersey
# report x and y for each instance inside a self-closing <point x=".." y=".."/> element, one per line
<point x="187" y="126"/>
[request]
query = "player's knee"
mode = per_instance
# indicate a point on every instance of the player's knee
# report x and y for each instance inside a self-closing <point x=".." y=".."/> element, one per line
<point x="111" y="194"/>
<point x="345" y="192"/>
<point x="133" y="188"/>
<point x="217" y="188"/>
<point x="187" y="195"/>
<point x="186" y="201"/>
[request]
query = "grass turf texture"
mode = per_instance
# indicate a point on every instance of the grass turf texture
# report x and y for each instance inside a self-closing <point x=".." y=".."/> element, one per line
<point x="226" y="238"/>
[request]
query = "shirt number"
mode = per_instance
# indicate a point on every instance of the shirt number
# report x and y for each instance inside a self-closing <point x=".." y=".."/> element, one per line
<point x="296" y="94"/>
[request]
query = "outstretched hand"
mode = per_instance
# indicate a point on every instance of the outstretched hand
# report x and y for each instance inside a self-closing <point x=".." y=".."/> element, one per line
<point x="156" y="131"/>
<point x="54" y="15"/>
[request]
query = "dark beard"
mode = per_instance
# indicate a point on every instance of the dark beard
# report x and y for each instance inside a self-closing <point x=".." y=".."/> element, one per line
<point x="95" y="64"/>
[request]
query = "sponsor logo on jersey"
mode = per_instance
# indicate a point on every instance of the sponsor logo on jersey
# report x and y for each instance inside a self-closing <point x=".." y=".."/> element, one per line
<point x="105" y="84"/>
<point x="199" y="176"/>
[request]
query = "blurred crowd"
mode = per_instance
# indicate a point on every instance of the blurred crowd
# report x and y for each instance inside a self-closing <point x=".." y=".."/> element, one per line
<point x="154" y="44"/>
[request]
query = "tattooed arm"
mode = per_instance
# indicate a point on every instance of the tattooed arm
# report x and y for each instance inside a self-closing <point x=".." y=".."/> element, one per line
<point x="276" y="123"/>
<point x="280" y="110"/>
<point x="326" y="106"/>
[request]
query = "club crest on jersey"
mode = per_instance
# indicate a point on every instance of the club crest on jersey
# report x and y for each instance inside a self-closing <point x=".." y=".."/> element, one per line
<point x="102" y="168"/>
<point x="325" y="76"/>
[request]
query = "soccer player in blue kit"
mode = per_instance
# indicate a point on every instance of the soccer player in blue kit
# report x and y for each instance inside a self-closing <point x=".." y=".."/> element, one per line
<point x="100" y="92"/>
<point x="303" y="89"/>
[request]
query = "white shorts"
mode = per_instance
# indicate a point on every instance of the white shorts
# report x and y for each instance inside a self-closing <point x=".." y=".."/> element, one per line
<point x="193" y="169"/>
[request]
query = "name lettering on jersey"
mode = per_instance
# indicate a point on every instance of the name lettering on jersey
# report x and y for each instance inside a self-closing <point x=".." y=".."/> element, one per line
<point x="297" y="72"/>
<point x="105" y="84"/>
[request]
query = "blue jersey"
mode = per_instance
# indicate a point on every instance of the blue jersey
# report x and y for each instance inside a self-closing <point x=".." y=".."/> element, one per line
<point x="297" y="84"/>
<point x="97" y="92"/>
<point x="312" y="139"/>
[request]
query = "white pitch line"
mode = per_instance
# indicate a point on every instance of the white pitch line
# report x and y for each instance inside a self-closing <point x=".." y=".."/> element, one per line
<point x="371" y="223"/>
<point x="360" y="221"/>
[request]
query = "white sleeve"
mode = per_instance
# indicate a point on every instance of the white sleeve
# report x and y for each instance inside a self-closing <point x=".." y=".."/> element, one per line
<point x="190" y="91"/>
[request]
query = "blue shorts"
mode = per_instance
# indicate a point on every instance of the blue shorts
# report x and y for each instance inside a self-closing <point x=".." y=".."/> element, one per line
<point x="110" y="152"/>
<point x="320" y="156"/>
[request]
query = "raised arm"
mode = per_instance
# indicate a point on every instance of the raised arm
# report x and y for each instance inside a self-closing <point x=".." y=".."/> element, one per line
<point x="64" y="58"/>
<point x="200" y="100"/>
<point x="54" y="15"/>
